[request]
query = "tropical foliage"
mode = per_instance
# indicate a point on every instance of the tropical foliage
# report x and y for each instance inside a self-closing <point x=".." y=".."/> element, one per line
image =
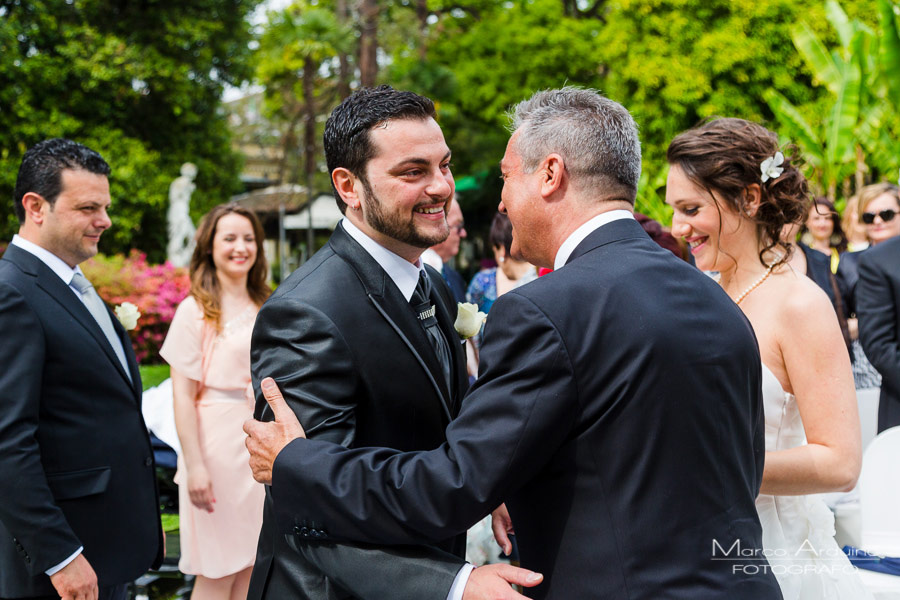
<point x="855" y="137"/>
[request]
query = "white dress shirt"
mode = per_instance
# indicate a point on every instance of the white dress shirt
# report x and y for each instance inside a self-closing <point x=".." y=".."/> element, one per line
<point x="406" y="276"/>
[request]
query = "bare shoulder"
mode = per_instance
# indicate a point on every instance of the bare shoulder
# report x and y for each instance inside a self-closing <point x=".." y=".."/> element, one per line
<point x="801" y="302"/>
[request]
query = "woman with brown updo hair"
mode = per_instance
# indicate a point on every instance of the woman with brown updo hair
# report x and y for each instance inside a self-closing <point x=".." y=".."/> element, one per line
<point x="732" y="191"/>
<point x="208" y="349"/>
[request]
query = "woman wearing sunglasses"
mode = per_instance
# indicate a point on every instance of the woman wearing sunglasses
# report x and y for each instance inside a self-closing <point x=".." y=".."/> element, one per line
<point x="879" y="205"/>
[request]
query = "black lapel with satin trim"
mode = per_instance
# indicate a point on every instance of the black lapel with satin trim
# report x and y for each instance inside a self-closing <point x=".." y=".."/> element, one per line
<point x="50" y="282"/>
<point x="394" y="308"/>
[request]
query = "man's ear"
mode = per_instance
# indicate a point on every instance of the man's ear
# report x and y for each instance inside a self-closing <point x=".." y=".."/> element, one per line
<point x="347" y="186"/>
<point x="553" y="174"/>
<point x="34" y="207"/>
<point x="752" y="199"/>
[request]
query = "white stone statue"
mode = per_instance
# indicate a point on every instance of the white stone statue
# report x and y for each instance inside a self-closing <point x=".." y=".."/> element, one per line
<point x="181" y="228"/>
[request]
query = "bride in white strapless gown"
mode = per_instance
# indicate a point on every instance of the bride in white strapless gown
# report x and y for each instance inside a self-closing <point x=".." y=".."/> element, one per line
<point x="734" y="193"/>
<point x="798" y="531"/>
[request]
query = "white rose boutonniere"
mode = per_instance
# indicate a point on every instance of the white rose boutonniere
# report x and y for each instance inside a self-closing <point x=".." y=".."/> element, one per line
<point x="128" y="315"/>
<point x="468" y="320"/>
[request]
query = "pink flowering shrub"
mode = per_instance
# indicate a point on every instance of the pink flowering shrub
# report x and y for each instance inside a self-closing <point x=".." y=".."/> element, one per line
<point x="155" y="289"/>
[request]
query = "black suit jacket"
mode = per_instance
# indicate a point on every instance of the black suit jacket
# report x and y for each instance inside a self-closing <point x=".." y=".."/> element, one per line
<point x="877" y="296"/>
<point x="357" y="368"/>
<point x="618" y="413"/>
<point x="76" y="466"/>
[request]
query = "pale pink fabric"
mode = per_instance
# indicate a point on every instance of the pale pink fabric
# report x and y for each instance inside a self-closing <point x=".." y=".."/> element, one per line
<point x="223" y="542"/>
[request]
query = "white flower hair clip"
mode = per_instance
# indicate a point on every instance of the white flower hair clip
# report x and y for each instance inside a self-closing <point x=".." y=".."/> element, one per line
<point x="771" y="167"/>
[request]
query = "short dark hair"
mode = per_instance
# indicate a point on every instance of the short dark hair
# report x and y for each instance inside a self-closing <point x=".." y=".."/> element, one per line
<point x="42" y="167"/>
<point x="500" y="234"/>
<point x="346" y="138"/>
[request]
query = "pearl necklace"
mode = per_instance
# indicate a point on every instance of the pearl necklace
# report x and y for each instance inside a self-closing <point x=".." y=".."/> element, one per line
<point x="755" y="285"/>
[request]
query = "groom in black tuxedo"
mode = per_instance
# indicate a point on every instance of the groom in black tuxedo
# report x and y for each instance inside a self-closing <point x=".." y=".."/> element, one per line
<point x="361" y="340"/>
<point x="79" y="512"/>
<point x="618" y="412"/>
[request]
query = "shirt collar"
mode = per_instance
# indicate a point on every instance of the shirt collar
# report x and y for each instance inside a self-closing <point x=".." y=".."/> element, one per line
<point x="586" y="229"/>
<point x="403" y="273"/>
<point x="433" y="260"/>
<point x="56" y="264"/>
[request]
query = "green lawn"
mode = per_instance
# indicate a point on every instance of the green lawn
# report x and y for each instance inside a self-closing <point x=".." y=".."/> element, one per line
<point x="153" y="375"/>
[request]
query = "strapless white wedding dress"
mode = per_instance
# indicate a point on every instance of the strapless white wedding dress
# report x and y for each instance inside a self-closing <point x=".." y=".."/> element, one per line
<point x="798" y="531"/>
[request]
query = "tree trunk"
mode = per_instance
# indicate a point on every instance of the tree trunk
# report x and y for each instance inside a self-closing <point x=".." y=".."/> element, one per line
<point x="309" y="135"/>
<point x="343" y="84"/>
<point x="422" y="15"/>
<point x="309" y="117"/>
<point x="368" y="42"/>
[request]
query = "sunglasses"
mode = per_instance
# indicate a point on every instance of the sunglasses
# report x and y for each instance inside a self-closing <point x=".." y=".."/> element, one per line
<point x="886" y="215"/>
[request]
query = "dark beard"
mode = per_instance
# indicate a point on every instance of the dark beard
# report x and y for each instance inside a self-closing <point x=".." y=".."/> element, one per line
<point x="391" y="225"/>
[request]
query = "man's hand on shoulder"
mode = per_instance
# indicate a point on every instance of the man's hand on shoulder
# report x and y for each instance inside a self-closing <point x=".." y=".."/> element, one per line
<point x="492" y="582"/>
<point x="76" y="581"/>
<point x="266" y="440"/>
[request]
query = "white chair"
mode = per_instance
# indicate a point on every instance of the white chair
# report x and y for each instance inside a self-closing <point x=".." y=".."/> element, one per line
<point x="879" y="497"/>
<point x="867" y="401"/>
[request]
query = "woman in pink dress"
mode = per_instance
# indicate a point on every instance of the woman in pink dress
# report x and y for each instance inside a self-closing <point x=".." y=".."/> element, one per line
<point x="208" y="349"/>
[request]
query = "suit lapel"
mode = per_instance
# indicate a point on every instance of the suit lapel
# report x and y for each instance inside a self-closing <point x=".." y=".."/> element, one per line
<point x="615" y="231"/>
<point x="393" y="307"/>
<point x="48" y="281"/>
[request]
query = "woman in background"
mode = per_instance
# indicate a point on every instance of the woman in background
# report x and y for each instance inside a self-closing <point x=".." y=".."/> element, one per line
<point x="822" y="231"/>
<point x="208" y="349"/>
<point x="879" y="206"/>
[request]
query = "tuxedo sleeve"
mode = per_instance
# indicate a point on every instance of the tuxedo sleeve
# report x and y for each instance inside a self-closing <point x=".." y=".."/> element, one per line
<point x="303" y="350"/>
<point x="521" y="409"/>
<point x="371" y="572"/>
<point x="28" y="511"/>
<point x="877" y="313"/>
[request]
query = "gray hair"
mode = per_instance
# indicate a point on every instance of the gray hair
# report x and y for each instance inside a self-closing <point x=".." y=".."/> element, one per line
<point x="597" y="138"/>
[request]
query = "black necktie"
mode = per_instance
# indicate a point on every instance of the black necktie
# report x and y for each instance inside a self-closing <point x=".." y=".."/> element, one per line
<point x="425" y="312"/>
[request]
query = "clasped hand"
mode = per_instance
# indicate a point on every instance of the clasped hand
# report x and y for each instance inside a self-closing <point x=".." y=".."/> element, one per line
<point x="266" y="440"/>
